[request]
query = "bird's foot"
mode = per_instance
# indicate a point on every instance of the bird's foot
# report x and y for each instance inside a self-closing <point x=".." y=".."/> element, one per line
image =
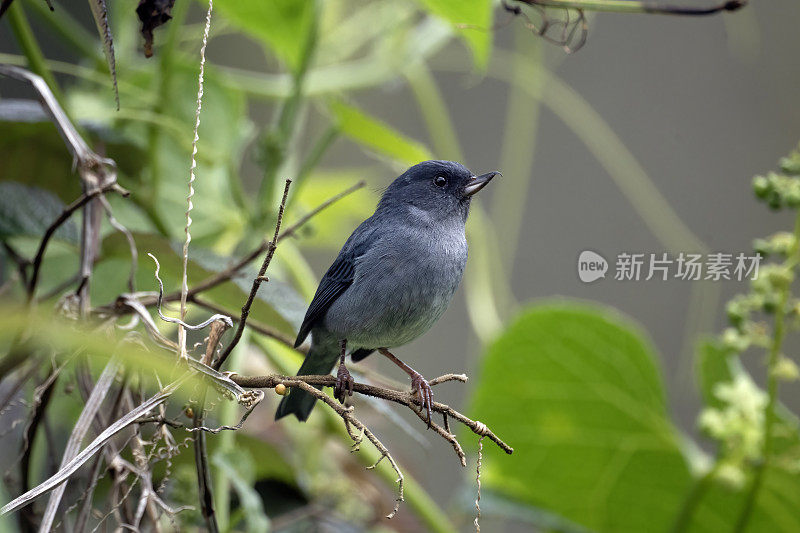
<point x="344" y="383"/>
<point x="421" y="387"/>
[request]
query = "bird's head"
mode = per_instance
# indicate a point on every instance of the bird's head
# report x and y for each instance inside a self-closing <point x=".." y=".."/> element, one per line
<point x="441" y="189"/>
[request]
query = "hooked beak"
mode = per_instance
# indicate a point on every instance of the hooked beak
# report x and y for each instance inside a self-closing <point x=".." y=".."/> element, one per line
<point x="479" y="182"/>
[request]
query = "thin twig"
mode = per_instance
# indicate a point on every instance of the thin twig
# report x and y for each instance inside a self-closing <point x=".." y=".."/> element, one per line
<point x="263" y="329"/>
<point x="204" y="489"/>
<point x="61" y="219"/>
<point x="233" y="270"/>
<point x="256" y="282"/>
<point x="292" y="229"/>
<point x="346" y="413"/>
<point x="43" y="396"/>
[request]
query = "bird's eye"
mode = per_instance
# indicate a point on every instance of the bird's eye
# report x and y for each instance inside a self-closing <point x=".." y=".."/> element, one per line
<point x="440" y="181"/>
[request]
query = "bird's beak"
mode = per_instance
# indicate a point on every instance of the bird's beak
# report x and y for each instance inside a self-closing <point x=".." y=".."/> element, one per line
<point x="479" y="182"/>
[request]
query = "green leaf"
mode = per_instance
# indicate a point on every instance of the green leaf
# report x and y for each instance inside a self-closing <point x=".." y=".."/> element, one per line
<point x="576" y="390"/>
<point x="29" y="211"/>
<point x="283" y="25"/>
<point x="376" y="135"/>
<point x="239" y="467"/>
<point x="33" y="152"/>
<point x="473" y="21"/>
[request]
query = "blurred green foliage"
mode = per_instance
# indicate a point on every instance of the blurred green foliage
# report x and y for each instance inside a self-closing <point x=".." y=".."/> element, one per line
<point x="575" y="388"/>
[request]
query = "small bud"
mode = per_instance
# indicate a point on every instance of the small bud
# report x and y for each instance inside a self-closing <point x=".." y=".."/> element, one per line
<point x="780" y="277"/>
<point x="786" y="369"/>
<point x="734" y="340"/>
<point x="761" y="186"/>
<point x="774" y="200"/>
<point x="189" y="412"/>
<point x="791" y="164"/>
<point x="792" y="197"/>
<point x="762" y="246"/>
<point x="280" y="388"/>
<point x="731" y="475"/>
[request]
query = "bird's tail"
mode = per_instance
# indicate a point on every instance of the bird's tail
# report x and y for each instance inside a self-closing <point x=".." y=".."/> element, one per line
<point x="320" y="360"/>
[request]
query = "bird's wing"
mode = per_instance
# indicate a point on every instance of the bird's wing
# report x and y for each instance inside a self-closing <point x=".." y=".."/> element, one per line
<point x="335" y="281"/>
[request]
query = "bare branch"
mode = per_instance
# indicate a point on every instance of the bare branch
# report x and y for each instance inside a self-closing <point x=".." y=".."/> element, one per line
<point x="396" y="396"/>
<point x="256" y="282"/>
<point x="61" y="219"/>
<point x="230" y="272"/>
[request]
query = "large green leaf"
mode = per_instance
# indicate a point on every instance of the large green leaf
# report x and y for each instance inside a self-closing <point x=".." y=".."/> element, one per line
<point x="282" y="25"/>
<point x="577" y="391"/>
<point x="29" y="211"/>
<point x="472" y="19"/>
<point x="376" y="135"/>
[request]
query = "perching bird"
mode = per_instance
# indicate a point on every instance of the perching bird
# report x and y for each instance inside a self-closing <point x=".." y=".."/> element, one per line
<point x="392" y="280"/>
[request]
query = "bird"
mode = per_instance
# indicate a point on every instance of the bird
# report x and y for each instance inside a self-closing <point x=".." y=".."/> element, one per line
<point x="392" y="280"/>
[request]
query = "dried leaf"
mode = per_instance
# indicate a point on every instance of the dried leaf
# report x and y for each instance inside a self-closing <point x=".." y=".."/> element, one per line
<point x="153" y="13"/>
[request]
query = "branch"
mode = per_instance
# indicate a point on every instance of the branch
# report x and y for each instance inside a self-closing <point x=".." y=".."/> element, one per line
<point x="392" y="395"/>
<point x="628" y="6"/>
<point x="256" y="282"/>
<point x="264" y="329"/>
<point x="204" y="487"/>
<point x="62" y="218"/>
<point x="230" y="272"/>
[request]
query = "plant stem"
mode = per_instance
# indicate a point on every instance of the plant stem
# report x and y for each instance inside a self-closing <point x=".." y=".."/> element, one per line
<point x="277" y="139"/>
<point x="772" y="388"/>
<point x="312" y="159"/>
<point x="693" y="499"/>
<point x="27" y="43"/>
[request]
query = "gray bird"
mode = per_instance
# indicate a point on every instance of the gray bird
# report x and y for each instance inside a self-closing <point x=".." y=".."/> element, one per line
<point x="392" y="280"/>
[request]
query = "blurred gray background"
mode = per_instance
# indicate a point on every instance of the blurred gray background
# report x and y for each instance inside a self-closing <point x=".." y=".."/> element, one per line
<point x="703" y="105"/>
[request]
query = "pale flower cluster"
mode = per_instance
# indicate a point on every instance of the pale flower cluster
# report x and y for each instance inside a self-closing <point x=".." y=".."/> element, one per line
<point x="738" y="424"/>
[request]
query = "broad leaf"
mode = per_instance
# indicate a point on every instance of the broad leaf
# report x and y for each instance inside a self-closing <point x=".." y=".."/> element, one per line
<point x="283" y="25"/>
<point x="28" y="211"/>
<point x="472" y="19"/>
<point x="376" y="135"/>
<point x="579" y="390"/>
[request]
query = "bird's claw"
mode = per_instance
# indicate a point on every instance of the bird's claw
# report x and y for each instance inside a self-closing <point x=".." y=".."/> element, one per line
<point x="421" y="387"/>
<point x="344" y="384"/>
